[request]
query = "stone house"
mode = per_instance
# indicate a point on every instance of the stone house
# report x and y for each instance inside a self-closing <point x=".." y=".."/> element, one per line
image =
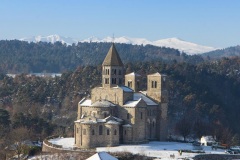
<point x="117" y="112"/>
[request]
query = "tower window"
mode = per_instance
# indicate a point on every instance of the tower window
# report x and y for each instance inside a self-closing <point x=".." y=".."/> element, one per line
<point x="114" y="71"/>
<point x="125" y="132"/>
<point x="115" y="132"/>
<point x="93" y="132"/>
<point x="106" y="80"/>
<point x="107" y="71"/>
<point x="141" y="115"/>
<point x="100" y="130"/>
<point x="154" y="84"/>
<point x="108" y="132"/>
<point x="130" y="84"/>
<point x="105" y="114"/>
<point x="128" y="116"/>
<point x="114" y="81"/>
<point x="153" y="124"/>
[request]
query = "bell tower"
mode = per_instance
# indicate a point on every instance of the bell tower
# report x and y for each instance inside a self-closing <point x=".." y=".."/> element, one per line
<point x="112" y="69"/>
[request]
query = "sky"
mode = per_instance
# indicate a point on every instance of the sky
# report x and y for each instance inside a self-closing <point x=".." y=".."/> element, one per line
<point x="214" y="23"/>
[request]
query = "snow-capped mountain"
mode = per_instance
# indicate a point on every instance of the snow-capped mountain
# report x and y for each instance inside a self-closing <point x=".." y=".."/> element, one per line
<point x="176" y="43"/>
<point x="50" y="38"/>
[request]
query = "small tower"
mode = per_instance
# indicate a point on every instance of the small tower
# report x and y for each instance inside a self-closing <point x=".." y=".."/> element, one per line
<point x="112" y="69"/>
<point x="157" y="90"/>
<point x="133" y="81"/>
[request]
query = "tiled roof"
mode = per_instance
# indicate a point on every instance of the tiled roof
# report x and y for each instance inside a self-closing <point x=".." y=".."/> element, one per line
<point x="112" y="58"/>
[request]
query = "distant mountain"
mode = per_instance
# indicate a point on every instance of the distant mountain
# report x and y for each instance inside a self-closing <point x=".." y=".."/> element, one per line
<point x="50" y="38"/>
<point x="227" y="52"/>
<point x="176" y="43"/>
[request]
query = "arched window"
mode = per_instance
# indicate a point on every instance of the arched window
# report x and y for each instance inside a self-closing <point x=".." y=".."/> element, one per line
<point x="115" y="132"/>
<point x="93" y="132"/>
<point x="108" y="132"/>
<point x="128" y="116"/>
<point x="100" y="130"/>
<point x="84" y="131"/>
<point x="153" y="124"/>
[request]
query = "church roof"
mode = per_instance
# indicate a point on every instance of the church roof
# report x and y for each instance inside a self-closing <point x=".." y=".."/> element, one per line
<point x="133" y="74"/>
<point x="102" y="103"/>
<point x="157" y="74"/>
<point x="112" y="58"/>
<point x="102" y="156"/>
<point x="147" y="100"/>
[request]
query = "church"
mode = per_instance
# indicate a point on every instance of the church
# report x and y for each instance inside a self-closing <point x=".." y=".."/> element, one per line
<point x="118" y="112"/>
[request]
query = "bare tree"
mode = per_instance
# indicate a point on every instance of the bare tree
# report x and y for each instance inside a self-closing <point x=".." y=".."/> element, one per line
<point x="16" y="141"/>
<point x="183" y="127"/>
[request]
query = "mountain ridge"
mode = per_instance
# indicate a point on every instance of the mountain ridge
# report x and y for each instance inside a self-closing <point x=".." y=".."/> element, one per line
<point x="176" y="43"/>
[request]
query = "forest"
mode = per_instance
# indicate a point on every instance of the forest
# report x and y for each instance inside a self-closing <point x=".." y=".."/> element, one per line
<point x="23" y="57"/>
<point x="203" y="95"/>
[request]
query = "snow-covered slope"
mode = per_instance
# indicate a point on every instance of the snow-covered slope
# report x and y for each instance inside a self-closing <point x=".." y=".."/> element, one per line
<point x="50" y="38"/>
<point x="176" y="43"/>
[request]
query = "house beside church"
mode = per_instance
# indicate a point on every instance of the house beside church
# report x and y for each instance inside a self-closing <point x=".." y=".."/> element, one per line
<point x="118" y="112"/>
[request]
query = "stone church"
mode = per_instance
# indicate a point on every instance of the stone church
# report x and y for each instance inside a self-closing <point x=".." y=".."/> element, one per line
<point x="119" y="113"/>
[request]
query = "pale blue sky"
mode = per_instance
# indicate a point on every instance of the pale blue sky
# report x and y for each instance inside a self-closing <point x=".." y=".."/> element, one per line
<point x="208" y="22"/>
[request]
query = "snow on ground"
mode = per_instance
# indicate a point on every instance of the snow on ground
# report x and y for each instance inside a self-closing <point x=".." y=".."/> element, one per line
<point x="156" y="149"/>
<point x="66" y="143"/>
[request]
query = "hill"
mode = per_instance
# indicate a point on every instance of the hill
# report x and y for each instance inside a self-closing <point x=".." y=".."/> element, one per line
<point x="23" y="57"/>
<point x="176" y="43"/>
<point x="227" y="52"/>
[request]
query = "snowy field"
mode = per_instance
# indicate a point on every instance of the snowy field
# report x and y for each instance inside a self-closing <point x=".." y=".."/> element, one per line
<point x="156" y="149"/>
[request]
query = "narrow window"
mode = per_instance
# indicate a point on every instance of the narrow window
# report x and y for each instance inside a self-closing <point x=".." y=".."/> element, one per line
<point x="115" y="132"/>
<point x="100" y="130"/>
<point x="155" y="86"/>
<point x="130" y="84"/>
<point x="125" y="132"/>
<point x="141" y="115"/>
<point x="120" y="72"/>
<point x="93" y="132"/>
<point x="128" y="116"/>
<point x="106" y="80"/>
<point x="84" y="131"/>
<point x="108" y="132"/>
<point x="153" y="124"/>
<point x="77" y="130"/>
<point x="152" y="84"/>
<point x="113" y="80"/>
<point x="105" y="114"/>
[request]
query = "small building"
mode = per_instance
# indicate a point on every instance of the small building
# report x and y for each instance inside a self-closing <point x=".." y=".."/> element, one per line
<point x="102" y="156"/>
<point x="207" y="140"/>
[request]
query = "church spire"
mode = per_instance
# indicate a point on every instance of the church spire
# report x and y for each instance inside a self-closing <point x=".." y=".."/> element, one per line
<point x="112" y="58"/>
<point x="112" y="69"/>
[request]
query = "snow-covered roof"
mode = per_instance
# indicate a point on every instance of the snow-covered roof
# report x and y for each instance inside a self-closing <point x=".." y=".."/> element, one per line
<point x="99" y="103"/>
<point x="112" y="122"/>
<point x="207" y="139"/>
<point x="148" y="101"/>
<point x="102" y="103"/>
<point x="132" y="103"/>
<point x="124" y="88"/>
<point x="85" y="102"/>
<point x="102" y="156"/>
<point x="127" y="125"/>
<point x="133" y="74"/>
